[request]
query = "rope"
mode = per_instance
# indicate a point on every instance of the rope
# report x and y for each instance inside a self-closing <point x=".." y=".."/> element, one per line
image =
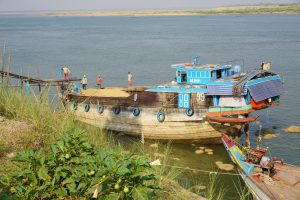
<point x="269" y="190"/>
<point x="204" y="171"/>
<point x="292" y="164"/>
<point x="167" y="103"/>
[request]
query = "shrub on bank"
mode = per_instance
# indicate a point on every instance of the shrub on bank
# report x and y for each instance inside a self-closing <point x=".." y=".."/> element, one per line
<point x="71" y="167"/>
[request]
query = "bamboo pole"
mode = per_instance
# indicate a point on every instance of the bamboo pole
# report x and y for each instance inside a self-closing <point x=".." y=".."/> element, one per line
<point x="247" y="133"/>
<point x="237" y="136"/>
<point x="3" y="60"/>
<point x="22" y="82"/>
<point x="38" y="76"/>
<point x="8" y="65"/>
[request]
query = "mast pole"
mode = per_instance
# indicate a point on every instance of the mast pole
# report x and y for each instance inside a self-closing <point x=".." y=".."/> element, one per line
<point x="3" y="61"/>
<point x="247" y="133"/>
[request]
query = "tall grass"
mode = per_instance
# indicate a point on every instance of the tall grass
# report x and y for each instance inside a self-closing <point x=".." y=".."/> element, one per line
<point x="35" y="109"/>
<point x="243" y="191"/>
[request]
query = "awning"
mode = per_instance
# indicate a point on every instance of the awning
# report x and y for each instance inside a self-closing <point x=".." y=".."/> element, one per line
<point x="265" y="90"/>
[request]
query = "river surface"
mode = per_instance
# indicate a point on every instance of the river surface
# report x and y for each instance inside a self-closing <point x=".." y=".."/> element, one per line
<point x="147" y="46"/>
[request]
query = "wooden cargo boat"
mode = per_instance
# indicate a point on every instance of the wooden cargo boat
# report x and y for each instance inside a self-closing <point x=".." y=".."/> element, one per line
<point x="179" y="110"/>
<point x="266" y="177"/>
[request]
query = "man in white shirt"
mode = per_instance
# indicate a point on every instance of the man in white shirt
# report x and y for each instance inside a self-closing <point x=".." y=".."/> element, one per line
<point x="84" y="82"/>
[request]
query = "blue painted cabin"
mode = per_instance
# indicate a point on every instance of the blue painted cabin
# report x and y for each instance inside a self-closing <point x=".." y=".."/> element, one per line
<point x="204" y="74"/>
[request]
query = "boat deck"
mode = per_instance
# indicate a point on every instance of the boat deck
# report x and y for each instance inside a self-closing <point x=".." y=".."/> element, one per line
<point x="284" y="184"/>
<point x="112" y="91"/>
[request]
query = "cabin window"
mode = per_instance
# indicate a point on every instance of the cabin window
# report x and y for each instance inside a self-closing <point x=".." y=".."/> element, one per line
<point x="213" y="74"/>
<point x="207" y="74"/>
<point x="183" y="76"/>
<point x="198" y="74"/>
<point x="219" y="73"/>
<point x="194" y="74"/>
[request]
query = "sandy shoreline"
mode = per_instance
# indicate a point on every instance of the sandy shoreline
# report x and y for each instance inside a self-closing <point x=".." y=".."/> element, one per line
<point x="277" y="9"/>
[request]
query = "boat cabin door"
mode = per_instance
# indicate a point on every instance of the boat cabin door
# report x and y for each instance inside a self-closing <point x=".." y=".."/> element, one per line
<point x="184" y="100"/>
<point x="181" y="77"/>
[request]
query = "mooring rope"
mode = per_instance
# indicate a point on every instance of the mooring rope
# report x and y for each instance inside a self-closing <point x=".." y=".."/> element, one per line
<point x="204" y="171"/>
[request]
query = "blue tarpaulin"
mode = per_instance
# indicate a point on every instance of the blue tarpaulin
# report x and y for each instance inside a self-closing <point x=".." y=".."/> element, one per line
<point x="265" y="90"/>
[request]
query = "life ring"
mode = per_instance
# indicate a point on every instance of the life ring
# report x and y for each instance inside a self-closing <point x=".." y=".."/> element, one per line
<point x="189" y="112"/>
<point x="100" y="108"/>
<point x="75" y="105"/>
<point x="116" y="110"/>
<point x="86" y="107"/>
<point x="136" y="111"/>
<point x="161" y="116"/>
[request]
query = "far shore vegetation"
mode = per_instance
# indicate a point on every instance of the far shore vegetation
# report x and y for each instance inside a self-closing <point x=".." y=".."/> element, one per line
<point x="239" y="10"/>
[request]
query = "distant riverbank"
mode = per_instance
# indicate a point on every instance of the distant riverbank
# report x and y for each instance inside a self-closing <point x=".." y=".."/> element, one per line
<point x="274" y="9"/>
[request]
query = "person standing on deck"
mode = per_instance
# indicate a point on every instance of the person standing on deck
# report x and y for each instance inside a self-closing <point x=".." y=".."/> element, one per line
<point x="99" y="81"/>
<point x="129" y="79"/>
<point x="84" y="82"/>
<point x="66" y="72"/>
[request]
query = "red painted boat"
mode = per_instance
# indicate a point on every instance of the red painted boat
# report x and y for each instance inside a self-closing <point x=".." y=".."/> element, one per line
<point x="231" y="119"/>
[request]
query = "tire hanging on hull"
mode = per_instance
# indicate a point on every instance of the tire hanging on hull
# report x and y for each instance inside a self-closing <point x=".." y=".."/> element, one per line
<point x="160" y="116"/>
<point x="189" y="112"/>
<point x="136" y="111"/>
<point x="116" y="110"/>
<point x="86" y="107"/>
<point x="100" y="108"/>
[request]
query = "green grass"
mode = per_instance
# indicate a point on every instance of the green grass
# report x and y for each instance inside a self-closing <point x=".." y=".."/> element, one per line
<point x="48" y="124"/>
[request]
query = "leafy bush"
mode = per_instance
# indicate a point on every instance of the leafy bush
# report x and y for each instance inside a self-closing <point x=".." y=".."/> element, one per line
<point x="72" y="167"/>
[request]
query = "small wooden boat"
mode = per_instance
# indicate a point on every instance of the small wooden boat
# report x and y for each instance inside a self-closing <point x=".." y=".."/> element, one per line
<point x="233" y="120"/>
<point x="266" y="177"/>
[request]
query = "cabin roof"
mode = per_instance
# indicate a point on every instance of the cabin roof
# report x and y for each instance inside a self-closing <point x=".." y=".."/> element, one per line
<point x="206" y="67"/>
<point x="178" y="89"/>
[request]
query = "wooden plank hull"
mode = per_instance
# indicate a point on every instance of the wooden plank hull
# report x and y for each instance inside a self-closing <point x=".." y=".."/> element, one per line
<point x="284" y="184"/>
<point x="231" y="119"/>
<point x="177" y="126"/>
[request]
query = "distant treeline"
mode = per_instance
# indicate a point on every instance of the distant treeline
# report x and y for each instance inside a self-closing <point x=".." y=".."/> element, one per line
<point x="271" y="9"/>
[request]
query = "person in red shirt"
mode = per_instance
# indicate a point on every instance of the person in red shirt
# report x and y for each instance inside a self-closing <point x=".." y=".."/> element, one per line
<point x="66" y="71"/>
<point x="99" y="81"/>
<point x="129" y="79"/>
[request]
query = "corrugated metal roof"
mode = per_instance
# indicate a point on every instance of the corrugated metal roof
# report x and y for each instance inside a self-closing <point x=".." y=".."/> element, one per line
<point x="265" y="90"/>
<point x="222" y="90"/>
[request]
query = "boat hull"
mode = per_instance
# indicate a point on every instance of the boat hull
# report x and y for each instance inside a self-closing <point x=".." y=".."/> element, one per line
<point x="177" y="126"/>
